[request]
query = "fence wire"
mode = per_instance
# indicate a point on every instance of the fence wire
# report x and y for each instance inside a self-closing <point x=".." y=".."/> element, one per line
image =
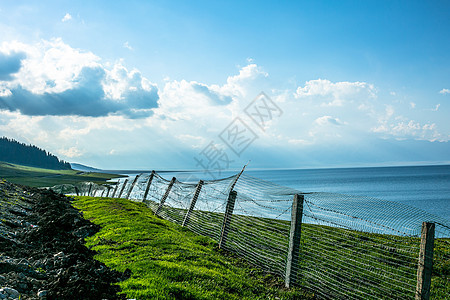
<point x="350" y="246"/>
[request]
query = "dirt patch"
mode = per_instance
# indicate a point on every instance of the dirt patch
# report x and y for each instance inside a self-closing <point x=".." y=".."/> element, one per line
<point x="42" y="252"/>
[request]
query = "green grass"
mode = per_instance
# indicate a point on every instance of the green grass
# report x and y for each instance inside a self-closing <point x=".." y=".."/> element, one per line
<point x="334" y="262"/>
<point x="38" y="177"/>
<point x="170" y="262"/>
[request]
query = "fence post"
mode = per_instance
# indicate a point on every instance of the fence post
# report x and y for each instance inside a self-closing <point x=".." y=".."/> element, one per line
<point x="115" y="189"/>
<point x="123" y="187"/>
<point x="193" y="201"/>
<point x="108" y="188"/>
<point x="132" y="185"/>
<point x="77" y="191"/>
<point x="166" y="194"/>
<point x="227" y="218"/>
<point x="294" y="240"/>
<point x="90" y="188"/>
<point x="103" y="192"/>
<point x="148" y="186"/>
<point x="425" y="265"/>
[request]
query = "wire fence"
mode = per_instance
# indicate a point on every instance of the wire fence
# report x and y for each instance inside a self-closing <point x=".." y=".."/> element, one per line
<point x="337" y="246"/>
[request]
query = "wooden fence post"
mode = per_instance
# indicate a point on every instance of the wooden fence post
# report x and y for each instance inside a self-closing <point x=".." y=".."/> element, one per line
<point x="123" y="187"/>
<point x="294" y="240"/>
<point x="103" y="192"/>
<point x="115" y="189"/>
<point x="77" y="191"/>
<point x="193" y="201"/>
<point x="425" y="265"/>
<point x="148" y="186"/>
<point x="107" y="193"/>
<point x="166" y="194"/>
<point x="132" y="185"/>
<point x="227" y="218"/>
<point x="90" y="188"/>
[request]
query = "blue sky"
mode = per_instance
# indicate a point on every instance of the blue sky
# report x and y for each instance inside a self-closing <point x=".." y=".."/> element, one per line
<point x="159" y="84"/>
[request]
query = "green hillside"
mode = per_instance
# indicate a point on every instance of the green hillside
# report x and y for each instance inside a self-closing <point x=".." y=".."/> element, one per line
<point x="39" y="177"/>
<point x="170" y="262"/>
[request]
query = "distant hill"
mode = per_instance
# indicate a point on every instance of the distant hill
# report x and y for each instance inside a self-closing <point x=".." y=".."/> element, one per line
<point x="80" y="167"/>
<point x="14" y="152"/>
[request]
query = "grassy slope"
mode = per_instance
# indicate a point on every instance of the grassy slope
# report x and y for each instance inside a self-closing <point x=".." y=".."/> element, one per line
<point x="38" y="177"/>
<point x="333" y="260"/>
<point x="169" y="262"/>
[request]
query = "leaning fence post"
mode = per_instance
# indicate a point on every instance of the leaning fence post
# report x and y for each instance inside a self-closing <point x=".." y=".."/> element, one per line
<point x="115" y="189"/>
<point x="425" y="265"/>
<point x="148" y="186"/>
<point x="132" y="186"/>
<point x="294" y="240"/>
<point x="227" y="218"/>
<point x="193" y="201"/>
<point x="77" y="191"/>
<point x="123" y="187"/>
<point x="90" y="188"/>
<point x="166" y="194"/>
<point x="108" y="188"/>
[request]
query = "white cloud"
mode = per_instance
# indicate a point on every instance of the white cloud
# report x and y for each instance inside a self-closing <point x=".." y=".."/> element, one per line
<point x="127" y="45"/>
<point x="301" y="142"/>
<point x="187" y="115"/>
<point x="72" y="152"/>
<point x="325" y="120"/>
<point x="240" y="85"/>
<point x="444" y="91"/>
<point x="195" y="142"/>
<point x="335" y="94"/>
<point x="56" y="79"/>
<point x="67" y="17"/>
<point x="411" y="130"/>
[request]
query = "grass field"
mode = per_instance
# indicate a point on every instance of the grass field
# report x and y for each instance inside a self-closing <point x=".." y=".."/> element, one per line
<point x="38" y="177"/>
<point x="333" y="261"/>
<point x="169" y="262"/>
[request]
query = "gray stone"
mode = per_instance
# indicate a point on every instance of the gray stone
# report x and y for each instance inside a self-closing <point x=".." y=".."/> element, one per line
<point x="12" y="293"/>
<point x="2" y="279"/>
<point x="42" y="293"/>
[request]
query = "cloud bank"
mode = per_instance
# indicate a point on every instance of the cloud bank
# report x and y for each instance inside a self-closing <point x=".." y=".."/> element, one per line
<point x="74" y="104"/>
<point x="52" y="78"/>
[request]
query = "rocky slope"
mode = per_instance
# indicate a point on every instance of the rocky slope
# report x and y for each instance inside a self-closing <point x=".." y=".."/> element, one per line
<point x="42" y="252"/>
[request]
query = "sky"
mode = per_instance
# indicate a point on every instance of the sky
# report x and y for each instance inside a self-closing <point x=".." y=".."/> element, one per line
<point x="212" y="85"/>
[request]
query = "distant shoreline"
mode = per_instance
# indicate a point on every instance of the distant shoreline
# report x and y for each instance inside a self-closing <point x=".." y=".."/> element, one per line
<point x="133" y="172"/>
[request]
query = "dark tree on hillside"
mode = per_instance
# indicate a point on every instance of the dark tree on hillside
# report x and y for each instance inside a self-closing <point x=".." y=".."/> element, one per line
<point x="28" y="155"/>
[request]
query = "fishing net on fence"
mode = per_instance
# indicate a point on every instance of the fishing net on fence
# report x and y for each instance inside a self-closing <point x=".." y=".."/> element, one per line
<point x="259" y="227"/>
<point x="350" y="246"/>
<point x="207" y="216"/>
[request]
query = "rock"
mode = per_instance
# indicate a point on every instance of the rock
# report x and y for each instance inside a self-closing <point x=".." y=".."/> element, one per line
<point x="42" y="293"/>
<point x="12" y="293"/>
<point x="50" y="260"/>
<point x="59" y="254"/>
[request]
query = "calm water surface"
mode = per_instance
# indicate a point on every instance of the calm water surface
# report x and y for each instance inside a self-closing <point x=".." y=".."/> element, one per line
<point x="425" y="187"/>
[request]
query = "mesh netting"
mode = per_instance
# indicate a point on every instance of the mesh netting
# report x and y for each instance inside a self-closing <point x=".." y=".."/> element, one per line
<point x="350" y="246"/>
